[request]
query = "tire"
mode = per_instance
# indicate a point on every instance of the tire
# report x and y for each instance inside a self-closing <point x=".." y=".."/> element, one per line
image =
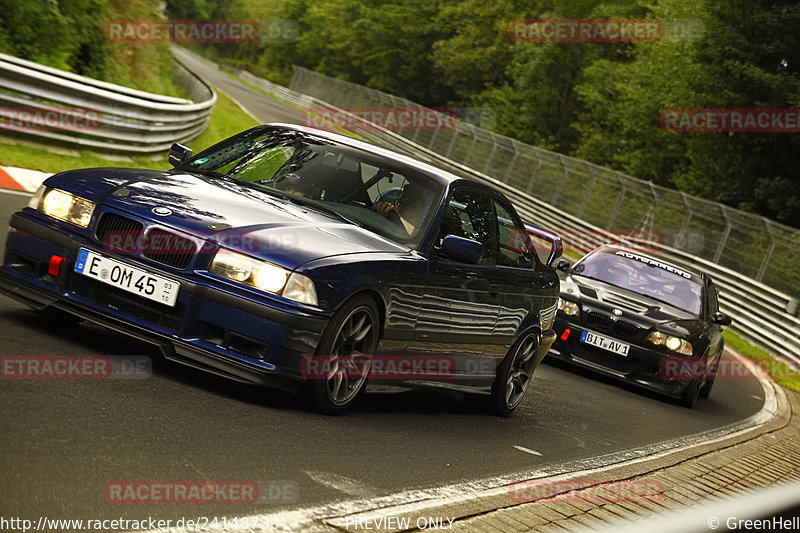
<point x="690" y="394"/>
<point x="513" y="376"/>
<point x="705" y="390"/>
<point x="347" y="347"/>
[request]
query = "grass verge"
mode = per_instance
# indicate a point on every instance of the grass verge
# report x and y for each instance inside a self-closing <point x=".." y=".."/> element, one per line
<point x="227" y="119"/>
<point x="782" y="373"/>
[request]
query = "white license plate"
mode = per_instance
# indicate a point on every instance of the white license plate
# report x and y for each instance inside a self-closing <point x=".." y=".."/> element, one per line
<point x="127" y="278"/>
<point x="605" y="343"/>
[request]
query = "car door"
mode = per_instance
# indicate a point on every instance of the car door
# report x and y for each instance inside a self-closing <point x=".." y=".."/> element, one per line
<point x="462" y="301"/>
<point x="525" y="285"/>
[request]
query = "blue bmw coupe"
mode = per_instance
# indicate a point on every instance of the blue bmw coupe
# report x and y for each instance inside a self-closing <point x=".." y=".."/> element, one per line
<point x="301" y="260"/>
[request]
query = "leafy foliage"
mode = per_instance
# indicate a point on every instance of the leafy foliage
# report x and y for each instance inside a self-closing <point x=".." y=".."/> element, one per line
<point x="70" y="35"/>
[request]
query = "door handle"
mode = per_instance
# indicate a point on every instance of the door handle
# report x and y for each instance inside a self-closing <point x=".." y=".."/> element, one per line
<point x="494" y="291"/>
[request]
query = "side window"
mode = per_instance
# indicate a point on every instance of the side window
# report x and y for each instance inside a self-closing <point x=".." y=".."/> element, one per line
<point x="469" y="214"/>
<point x="512" y="240"/>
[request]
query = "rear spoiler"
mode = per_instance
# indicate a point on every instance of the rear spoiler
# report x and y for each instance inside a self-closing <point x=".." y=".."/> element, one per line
<point x="546" y="243"/>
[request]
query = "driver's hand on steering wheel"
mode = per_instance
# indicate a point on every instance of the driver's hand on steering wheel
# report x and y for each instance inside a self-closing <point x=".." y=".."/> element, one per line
<point x="385" y="209"/>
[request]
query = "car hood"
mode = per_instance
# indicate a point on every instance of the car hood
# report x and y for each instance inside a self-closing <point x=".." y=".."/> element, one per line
<point x="634" y="307"/>
<point x="228" y="213"/>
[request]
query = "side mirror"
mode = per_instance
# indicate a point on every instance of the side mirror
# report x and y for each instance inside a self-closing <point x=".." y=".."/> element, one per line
<point x="563" y="265"/>
<point x="179" y="154"/>
<point x="721" y="319"/>
<point x="461" y="250"/>
<point x="547" y="244"/>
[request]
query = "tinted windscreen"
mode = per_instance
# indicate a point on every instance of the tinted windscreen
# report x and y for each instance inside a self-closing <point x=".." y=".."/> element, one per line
<point x="375" y="192"/>
<point x="645" y="276"/>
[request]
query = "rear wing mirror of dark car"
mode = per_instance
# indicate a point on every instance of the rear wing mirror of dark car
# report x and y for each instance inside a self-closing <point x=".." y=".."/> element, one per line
<point x="547" y="244"/>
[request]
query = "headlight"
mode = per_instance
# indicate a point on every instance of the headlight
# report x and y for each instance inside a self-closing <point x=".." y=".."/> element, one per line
<point x="263" y="276"/>
<point x="65" y="206"/>
<point x="569" y="308"/>
<point x="675" y="344"/>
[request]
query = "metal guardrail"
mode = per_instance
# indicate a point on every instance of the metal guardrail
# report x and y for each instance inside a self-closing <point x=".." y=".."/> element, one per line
<point x="756" y="309"/>
<point x="58" y="106"/>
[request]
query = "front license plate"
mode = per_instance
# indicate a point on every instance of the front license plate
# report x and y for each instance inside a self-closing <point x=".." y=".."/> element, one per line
<point x="127" y="278"/>
<point x="605" y="343"/>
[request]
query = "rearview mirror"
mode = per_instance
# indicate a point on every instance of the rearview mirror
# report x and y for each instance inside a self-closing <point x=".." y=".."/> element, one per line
<point x="462" y="250"/>
<point x="179" y="154"/>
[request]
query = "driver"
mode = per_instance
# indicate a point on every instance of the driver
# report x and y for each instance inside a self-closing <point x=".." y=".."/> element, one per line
<point x="409" y="210"/>
<point x="293" y="184"/>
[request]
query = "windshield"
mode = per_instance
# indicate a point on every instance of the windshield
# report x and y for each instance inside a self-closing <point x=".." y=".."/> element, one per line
<point x="645" y="276"/>
<point x="374" y="192"/>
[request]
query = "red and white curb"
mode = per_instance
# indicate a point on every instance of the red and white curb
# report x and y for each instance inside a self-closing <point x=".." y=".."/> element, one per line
<point x="21" y="179"/>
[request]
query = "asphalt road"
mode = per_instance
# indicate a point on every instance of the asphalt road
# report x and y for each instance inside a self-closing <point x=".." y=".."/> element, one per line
<point x="63" y="441"/>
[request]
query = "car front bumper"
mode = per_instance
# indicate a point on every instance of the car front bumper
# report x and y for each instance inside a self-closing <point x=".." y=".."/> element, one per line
<point x="643" y="366"/>
<point x="238" y="336"/>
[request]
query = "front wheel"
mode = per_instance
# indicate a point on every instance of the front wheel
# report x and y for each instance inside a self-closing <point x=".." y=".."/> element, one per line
<point x="514" y="375"/>
<point x="345" y="352"/>
<point x="690" y="394"/>
<point x="705" y="390"/>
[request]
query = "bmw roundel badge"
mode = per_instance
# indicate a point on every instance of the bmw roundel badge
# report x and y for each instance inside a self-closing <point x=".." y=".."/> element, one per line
<point x="162" y="211"/>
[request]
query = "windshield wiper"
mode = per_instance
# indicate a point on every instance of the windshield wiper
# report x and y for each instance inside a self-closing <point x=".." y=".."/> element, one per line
<point x="326" y="210"/>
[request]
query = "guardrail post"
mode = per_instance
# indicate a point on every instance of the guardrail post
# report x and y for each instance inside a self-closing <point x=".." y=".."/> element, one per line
<point x="685" y="226"/>
<point x="513" y="162"/>
<point x="621" y="197"/>
<point x="768" y="255"/>
<point x="491" y="155"/>
<point x="452" y="142"/>
<point x="724" y="239"/>
<point x="472" y="144"/>
<point x="588" y="191"/>
<point x="557" y="192"/>
<point x="535" y="173"/>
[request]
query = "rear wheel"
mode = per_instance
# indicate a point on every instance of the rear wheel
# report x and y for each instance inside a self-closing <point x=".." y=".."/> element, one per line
<point x="513" y="376"/>
<point x="346" y="350"/>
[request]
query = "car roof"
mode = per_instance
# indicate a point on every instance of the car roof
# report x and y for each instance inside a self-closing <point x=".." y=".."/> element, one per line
<point x="617" y="248"/>
<point x="444" y="177"/>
